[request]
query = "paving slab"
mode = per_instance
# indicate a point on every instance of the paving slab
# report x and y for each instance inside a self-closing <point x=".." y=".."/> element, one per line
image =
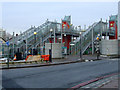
<point x="112" y="84"/>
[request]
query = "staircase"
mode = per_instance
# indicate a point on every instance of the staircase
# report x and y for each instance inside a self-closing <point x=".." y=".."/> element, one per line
<point x="86" y="38"/>
<point x="43" y="34"/>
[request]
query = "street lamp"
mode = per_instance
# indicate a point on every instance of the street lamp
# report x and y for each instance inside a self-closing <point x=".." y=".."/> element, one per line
<point x="50" y="51"/>
<point x="80" y="42"/>
<point x="81" y="45"/>
<point x="98" y="46"/>
<point x="61" y="40"/>
<point x="34" y="51"/>
<point x="92" y="41"/>
<point x="101" y="27"/>
<point x="35" y="33"/>
<point x="35" y="37"/>
<point x="65" y="49"/>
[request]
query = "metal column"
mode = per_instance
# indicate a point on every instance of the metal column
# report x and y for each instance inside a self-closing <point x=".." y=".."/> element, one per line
<point x="92" y="42"/>
<point x="26" y="46"/>
<point x="61" y="39"/>
<point x="54" y="35"/>
<point x="101" y="27"/>
<point x="106" y="29"/>
<point x="13" y="43"/>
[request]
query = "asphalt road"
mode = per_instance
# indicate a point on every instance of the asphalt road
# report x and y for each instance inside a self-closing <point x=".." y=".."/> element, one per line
<point x="59" y="76"/>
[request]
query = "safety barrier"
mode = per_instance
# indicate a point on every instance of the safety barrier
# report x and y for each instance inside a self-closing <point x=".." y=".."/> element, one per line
<point x="46" y="57"/>
<point x="28" y="57"/>
<point x="33" y="58"/>
<point x="37" y="57"/>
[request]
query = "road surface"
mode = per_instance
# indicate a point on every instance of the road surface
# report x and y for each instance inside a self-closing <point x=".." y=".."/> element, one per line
<point x="59" y="76"/>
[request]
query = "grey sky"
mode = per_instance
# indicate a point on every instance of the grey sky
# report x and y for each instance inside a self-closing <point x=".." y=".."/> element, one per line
<point x="19" y="16"/>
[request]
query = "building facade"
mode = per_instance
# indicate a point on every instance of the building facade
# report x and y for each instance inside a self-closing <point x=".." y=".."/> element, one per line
<point x="3" y="34"/>
<point x="3" y="48"/>
<point x="119" y="20"/>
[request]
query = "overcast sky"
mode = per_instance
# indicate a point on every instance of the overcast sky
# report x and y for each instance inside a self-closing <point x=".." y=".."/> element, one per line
<point x="19" y="16"/>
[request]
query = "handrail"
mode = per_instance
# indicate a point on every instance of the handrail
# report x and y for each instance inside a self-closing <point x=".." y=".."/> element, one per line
<point x="85" y="42"/>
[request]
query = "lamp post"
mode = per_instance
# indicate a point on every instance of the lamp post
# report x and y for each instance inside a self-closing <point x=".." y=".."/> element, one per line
<point x="98" y="46"/>
<point x="80" y="42"/>
<point x="81" y="45"/>
<point x="61" y="39"/>
<point x="13" y="43"/>
<point x="50" y="51"/>
<point x="106" y="29"/>
<point x="92" y="41"/>
<point x="101" y="27"/>
<point x="8" y="53"/>
<point x="65" y="49"/>
<point x="34" y="51"/>
<point x="8" y="56"/>
<point x="26" y="46"/>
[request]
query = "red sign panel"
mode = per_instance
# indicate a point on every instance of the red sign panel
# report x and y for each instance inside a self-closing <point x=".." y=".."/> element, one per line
<point x="111" y="23"/>
<point x="65" y="24"/>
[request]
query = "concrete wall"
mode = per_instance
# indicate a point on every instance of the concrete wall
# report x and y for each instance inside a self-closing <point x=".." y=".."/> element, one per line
<point x="56" y="49"/>
<point x="109" y="47"/>
<point x="119" y="48"/>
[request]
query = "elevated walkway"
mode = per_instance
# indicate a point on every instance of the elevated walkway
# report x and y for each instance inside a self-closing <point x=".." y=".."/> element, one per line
<point x="27" y="41"/>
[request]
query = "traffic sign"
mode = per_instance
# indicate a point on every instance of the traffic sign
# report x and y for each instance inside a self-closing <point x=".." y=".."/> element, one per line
<point x="7" y="43"/>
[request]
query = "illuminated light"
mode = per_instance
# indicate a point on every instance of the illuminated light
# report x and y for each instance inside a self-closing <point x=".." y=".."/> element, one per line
<point x="103" y="37"/>
<point x="63" y="25"/>
<point x="74" y="37"/>
<point x="51" y="30"/>
<point x="80" y="33"/>
<point x="72" y="44"/>
<point x="59" y="38"/>
<point x="97" y="38"/>
<point x="98" y="35"/>
<point x="64" y="34"/>
<point x="35" y="33"/>
<point x="111" y="24"/>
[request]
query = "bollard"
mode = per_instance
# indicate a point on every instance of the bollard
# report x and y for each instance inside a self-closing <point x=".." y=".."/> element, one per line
<point x="8" y="62"/>
<point x="50" y="57"/>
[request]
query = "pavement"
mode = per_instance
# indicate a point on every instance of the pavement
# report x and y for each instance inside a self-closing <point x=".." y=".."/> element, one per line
<point x="112" y="84"/>
<point x="110" y="81"/>
<point x="66" y="60"/>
